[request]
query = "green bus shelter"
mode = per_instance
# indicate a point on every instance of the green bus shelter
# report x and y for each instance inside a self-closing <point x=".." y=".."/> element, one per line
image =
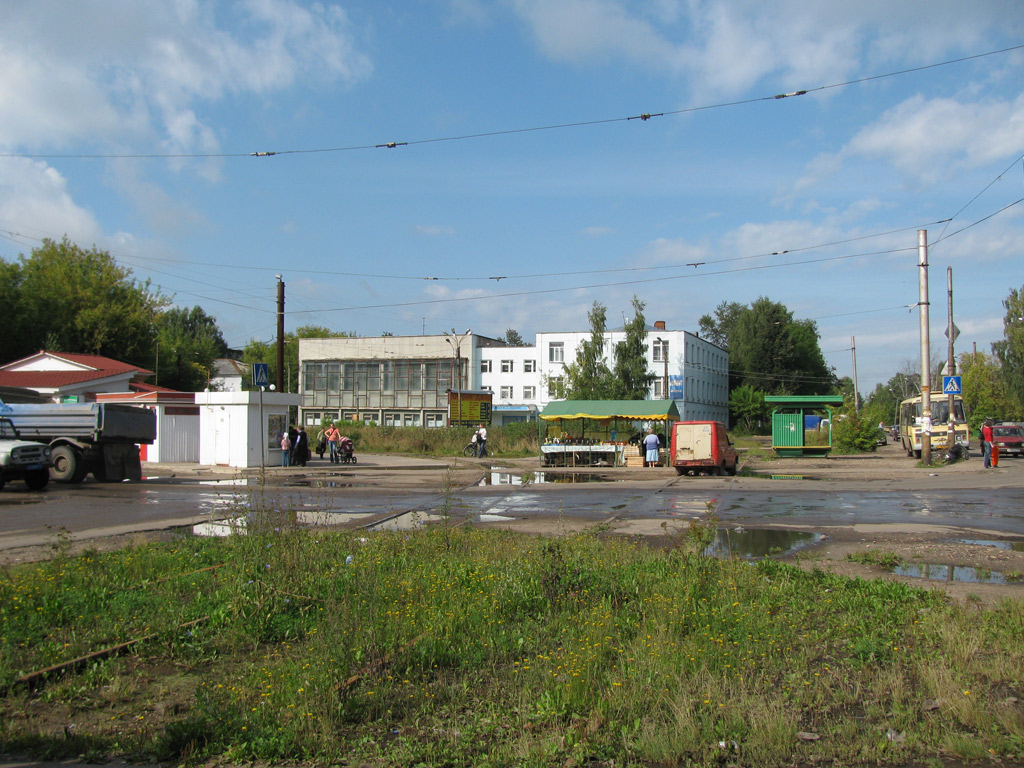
<point x="789" y="435"/>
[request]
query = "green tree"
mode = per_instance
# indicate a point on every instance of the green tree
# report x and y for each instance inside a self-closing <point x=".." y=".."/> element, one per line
<point x="984" y="388"/>
<point x="718" y="329"/>
<point x="16" y="341"/>
<point x="513" y="339"/>
<point x="588" y="376"/>
<point x="748" y="407"/>
<point x="851" y="432"/>
<point x="77" y="300"/>
<point x="1010" y="350"/>
<point x="633" y="378"/>
<point x="188" y="341"/>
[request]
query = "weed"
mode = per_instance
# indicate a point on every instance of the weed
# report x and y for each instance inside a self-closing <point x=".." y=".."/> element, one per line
<point x="887" y="560"/>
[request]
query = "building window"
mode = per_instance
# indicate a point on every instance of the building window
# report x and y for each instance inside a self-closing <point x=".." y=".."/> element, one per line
<point x="556" y="352"/>
<point x="435" y="419"/>
<point x="485" y="366"/>
<point x="659" y="390"/>
<point x="659" y="350"/>
<point x="506" y="366"/>
<point x="529" y="366"/>
<point x="506" y="393"/>
<point x="529" y="393"/>
<point x="553" y="384"/>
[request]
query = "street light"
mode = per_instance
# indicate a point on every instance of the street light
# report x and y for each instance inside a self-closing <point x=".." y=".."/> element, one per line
<point x="457" y="362"/>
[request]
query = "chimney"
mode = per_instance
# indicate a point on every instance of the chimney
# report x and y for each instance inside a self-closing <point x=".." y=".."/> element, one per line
<point x="659" y="325"/>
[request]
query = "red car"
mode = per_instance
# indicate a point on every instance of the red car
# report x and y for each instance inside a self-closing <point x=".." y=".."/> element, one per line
<point x="1009" y="438"/>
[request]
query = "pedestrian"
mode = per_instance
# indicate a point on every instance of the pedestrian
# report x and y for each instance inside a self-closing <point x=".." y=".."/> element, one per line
<point x="333" y="438"/>
<point x="293" y="436"/>
<point x="286" y="449"/>
<point x="651" y="444"/>
<point x="481" y="442"/>
<point x="300" y="451"/>
<point x="321" y="442"/>
<point x="986" y="442"/>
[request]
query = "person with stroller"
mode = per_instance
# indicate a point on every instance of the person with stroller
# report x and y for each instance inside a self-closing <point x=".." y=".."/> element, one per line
<point x="333" y="437"/>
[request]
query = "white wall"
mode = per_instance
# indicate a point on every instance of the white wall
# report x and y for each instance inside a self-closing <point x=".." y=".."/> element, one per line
<point x="233" y="428"/>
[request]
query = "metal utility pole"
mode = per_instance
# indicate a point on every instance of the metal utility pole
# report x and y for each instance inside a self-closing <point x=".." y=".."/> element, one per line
<point x="280" y="334"/>
<point x="856" y="396"/>
<point x="926" y="374"/>
<point x="951" y="331"/>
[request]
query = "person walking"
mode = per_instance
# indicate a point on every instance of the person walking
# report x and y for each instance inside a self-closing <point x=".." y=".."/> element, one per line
<point x="286" y="449"/>
<point x="300" y="451"/>
<point x="481" y="442"/>
<point x="986" y="442"/>
<point x="651" y="445"/>
<point x="293" y="436"/>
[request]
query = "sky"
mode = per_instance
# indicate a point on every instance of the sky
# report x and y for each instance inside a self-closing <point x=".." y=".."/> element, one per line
<point x="525" y="181"/>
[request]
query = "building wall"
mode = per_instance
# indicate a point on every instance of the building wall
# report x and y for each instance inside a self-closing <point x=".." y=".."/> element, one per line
<point x="242" y="429"/>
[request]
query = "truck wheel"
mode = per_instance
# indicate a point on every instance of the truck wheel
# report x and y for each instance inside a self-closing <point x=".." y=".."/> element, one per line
<point x="67" y="465"/>
<point x="37" y="479"/>
<point x="731" y="471"/>
<point x="1" y="483"/>
<point x="679" y="470"/>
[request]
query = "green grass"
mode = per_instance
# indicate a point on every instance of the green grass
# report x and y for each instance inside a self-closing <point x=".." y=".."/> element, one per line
<point x="460" y="647"/>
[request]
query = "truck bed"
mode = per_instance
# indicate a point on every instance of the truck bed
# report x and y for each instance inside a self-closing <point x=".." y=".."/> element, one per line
<point x="88" y="422"/>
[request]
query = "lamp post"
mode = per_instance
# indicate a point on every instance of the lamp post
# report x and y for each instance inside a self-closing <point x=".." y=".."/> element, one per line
<point x="457" y="363"/>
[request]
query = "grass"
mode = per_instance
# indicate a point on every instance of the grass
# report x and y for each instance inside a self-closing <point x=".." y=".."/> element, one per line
<point x="460" y="647"/>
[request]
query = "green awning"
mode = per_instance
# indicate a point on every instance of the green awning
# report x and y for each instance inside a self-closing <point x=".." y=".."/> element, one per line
<point x="641" y="410"/>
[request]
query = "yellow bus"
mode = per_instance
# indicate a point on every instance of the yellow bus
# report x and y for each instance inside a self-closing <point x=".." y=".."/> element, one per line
<point x="911" y="426"/>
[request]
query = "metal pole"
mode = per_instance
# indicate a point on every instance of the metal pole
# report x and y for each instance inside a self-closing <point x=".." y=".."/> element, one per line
<point x="280" y="334"/>
<point x="926" y="375"/>
<point x="950" y="359"/>
<point x="856" y="396"/>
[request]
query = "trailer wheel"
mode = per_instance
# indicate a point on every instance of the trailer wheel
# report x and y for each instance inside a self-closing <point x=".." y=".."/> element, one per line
<point x="67" y="465"/>
<point x="37" y="479"/>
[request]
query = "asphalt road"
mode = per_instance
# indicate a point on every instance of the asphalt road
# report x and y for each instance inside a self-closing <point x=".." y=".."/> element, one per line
<point x="484" y="494"/>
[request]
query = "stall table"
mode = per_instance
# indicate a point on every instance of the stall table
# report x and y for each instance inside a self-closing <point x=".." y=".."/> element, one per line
<point x="567" y="455"/>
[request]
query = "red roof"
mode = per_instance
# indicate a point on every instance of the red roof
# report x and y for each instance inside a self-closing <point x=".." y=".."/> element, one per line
<point x="54" y="379"/>
<point x="105" y="365"/>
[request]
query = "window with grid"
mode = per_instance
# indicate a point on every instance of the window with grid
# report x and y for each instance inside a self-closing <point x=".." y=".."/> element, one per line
<point x="506" y="366"/>
<point x="556" y="352"/>
<point x="529" y="366"/>
<point x="485" y="366"/>
<point x="506" y="393"/>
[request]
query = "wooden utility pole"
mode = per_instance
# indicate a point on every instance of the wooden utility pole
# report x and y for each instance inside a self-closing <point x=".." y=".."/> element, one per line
<point x="280" y="334"/>
<point x="856" y="395"/>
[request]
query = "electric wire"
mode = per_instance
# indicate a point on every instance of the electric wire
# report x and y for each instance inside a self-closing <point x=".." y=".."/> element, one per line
<point x="643" y="117"/>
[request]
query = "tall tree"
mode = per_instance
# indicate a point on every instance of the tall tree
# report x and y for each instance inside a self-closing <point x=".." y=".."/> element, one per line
<point x="81" y="301"/>
<point x="188" y="341"/>
<point x="718" y="329"/>
<point x="1010" y="350"/>
<point x="588" y="377"/>
<point x="633" y="378"/>
<point x="984" y="388"/>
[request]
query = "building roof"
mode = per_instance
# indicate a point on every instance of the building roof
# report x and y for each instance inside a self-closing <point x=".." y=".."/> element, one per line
<point x="225" y="366"/>
<point x="607" y="409"/>
<point x="64" y="361"/>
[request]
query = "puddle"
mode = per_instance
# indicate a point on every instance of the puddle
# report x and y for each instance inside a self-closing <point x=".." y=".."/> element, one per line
<point x="1014" y="546"/>
<point x="961" y="573"/>
<point x="407" y="522"/>
<point x="757" y="543"/>
<point x="502" y="476"/>
<point x="324" y="484"/>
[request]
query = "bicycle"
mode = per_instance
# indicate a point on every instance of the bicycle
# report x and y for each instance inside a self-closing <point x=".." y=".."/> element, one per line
<point x="469" y="450"/>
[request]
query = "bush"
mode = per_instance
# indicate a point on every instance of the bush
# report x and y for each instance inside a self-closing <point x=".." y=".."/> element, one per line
<point x="851" y="433"/>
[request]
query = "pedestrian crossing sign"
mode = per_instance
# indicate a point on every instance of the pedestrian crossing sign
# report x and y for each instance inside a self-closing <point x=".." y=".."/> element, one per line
<point x="951" y="385"/>
<point x="261" y="374"/>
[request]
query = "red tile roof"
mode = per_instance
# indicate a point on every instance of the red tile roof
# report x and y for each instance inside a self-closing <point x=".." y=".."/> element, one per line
<point x="99" y="363"/>
<point x="54" y="379"/>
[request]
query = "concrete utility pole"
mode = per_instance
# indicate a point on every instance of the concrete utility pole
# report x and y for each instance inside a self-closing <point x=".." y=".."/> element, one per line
<point x="950" y="358"/>
<point x="926" y="375"/>
<point x="280" y="334"/>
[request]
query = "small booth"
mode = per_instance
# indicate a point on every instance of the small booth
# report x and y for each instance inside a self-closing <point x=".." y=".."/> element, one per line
<point x="791" y="416"/>
<point x="587" y="433"/>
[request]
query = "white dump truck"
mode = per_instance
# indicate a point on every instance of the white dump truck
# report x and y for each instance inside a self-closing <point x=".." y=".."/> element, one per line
<point x="22" y="459"/>
<point x="102" y="438"/>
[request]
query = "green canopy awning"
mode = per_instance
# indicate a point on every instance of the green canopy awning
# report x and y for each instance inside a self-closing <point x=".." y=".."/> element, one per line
<point x="642" y="410"/>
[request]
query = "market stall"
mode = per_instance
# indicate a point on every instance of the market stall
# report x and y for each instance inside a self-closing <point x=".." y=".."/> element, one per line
<point x="577" y="433"/>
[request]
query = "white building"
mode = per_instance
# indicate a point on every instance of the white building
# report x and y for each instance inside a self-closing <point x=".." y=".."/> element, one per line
<point x="406" y="380"/>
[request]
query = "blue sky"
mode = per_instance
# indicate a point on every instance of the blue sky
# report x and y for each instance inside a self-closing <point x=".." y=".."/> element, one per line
<point x="128" y="124"/>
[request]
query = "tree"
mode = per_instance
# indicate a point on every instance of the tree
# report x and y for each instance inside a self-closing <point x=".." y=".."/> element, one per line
<point x="748" y="407"/>
<point x="188" y="341"/>
<point x="588" y="377"/>
<point x="76" y="300"/>
<point x="632" y="376"/>
<point x="513" y="339"/>
<point x="1010" y="350"/>
<point x="718" y="329"/>
<point x="984" y="388"/>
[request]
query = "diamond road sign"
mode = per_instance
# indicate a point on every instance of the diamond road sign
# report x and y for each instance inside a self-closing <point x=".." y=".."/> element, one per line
<point x="956" y="332"/>
<point x="951" y="385"/>
<point x="261" y="374"/>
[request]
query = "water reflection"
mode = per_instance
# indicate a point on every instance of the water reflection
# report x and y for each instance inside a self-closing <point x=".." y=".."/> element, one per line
<point x="1014" y="546"/>
<point x="962" y="573"/>
<point x="756" y="543"/>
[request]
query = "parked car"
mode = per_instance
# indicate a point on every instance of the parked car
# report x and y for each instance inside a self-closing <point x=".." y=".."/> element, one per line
<point x="1009" y="438"/>
<point x="22" y="459"/>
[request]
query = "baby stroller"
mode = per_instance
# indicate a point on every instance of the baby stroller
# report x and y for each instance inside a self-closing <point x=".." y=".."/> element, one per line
<point x="346" y="451"/>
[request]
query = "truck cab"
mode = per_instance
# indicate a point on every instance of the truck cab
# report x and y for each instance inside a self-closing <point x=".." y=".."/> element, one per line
<point x="702" y="447"/>
<point x="22" y="459"/>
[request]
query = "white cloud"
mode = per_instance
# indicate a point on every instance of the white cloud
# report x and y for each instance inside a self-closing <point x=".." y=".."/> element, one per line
<point x="34" y="199"/>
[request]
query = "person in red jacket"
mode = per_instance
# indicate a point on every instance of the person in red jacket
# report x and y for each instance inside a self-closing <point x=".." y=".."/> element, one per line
<point x="986" y="442"/>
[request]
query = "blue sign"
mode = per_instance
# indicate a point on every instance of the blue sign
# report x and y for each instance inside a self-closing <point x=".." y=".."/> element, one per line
<point x="261" y="374"/>
<point x="951" y="385"/>
<point x="675" y="387"/>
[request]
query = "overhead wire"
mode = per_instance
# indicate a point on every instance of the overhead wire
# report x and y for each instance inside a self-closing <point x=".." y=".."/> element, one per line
<point x="391" y="144"/>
